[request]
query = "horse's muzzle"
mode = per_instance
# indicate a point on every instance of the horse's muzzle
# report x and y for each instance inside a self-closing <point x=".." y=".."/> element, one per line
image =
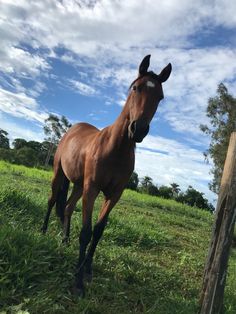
<point x="138" y="130"/>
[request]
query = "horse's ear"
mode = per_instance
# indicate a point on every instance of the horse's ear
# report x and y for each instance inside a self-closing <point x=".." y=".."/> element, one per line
<point x="165" y="73"/>
<point x="144" y="65"/>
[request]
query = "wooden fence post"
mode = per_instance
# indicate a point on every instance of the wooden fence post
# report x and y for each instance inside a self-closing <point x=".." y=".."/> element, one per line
<point x="211" y="299"/>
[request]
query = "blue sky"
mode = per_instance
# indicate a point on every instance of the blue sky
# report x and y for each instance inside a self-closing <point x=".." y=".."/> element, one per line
<point x="78" y="58"/>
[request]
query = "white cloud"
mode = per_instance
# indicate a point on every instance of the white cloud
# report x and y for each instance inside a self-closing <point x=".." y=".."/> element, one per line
<point x="196" y="74"/>
<point x="15" y="130"/>
<point x="37" y="89"/>
<point x="168" y="161"/>
<point x="224" y="13"/>
<point x="111" y="25"/>
<point x="18" y="61"/>
<point x="21" y="105"/>
<point x="82" y="88"/>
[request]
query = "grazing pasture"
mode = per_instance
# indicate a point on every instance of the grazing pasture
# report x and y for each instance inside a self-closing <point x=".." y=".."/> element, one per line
<point x="150" y="260"/>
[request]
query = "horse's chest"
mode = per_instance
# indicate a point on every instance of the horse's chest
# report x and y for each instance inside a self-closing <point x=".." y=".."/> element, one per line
<point x="115" y="164"/>
<point x="113" y="170"/>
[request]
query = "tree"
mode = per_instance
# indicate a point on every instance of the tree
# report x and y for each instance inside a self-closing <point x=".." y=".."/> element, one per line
<point x="7" y="154"/>
<point x="37" y="146"/>
<point x="54" y="129"/>
<point x="133" y="182"/>
<point x="47" y="147"/>
<point x="153" y="190"/>
<point x="148" y="187"/>
<point x="175" y="189"/>
<point x="193" y="197"/>
<point x="26" y="156"/>
<point x="22" y="150"/>
<point x="165" y="191"/>
<point x="19" y="143"/>
<point x="145" y="182"/>
<point x="221" y="111"/>
<point x="4" y="141"/>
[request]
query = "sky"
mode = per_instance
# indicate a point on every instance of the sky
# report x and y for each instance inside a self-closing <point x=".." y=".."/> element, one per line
<point x="77" y="58"/>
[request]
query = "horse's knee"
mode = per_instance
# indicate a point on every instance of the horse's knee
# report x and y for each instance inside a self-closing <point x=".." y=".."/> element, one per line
<point x="68" y="211"/>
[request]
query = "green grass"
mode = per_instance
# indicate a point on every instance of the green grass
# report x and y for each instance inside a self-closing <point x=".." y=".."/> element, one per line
<point x="150" y="260"/>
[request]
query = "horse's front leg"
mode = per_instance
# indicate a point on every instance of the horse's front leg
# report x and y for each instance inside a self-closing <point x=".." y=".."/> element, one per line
<point x="89" y="195"/>
<point x="99" y="227"/>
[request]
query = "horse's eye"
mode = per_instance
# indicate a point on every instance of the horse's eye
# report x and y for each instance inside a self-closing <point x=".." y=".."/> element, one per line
<point x="137" y="88"/>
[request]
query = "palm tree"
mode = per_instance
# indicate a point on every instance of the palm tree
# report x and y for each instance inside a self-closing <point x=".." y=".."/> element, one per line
<point x="175" y="189"/>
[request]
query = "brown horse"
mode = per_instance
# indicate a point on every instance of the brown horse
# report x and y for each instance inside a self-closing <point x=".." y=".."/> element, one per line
<point x="95" y="161"/>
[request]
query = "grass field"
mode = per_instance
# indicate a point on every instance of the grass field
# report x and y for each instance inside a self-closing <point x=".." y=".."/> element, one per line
<point x="150" y="260"/>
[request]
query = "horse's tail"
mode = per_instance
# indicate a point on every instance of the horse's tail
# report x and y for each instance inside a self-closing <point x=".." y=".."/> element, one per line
<point x="62" y="197"/>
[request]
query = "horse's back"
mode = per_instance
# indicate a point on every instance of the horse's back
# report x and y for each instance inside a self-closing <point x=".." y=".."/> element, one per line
<point x="78" y="132"/>
<point x="72" y="149"/>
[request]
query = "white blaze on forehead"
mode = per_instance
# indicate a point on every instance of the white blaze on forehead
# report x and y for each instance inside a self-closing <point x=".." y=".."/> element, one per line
<point x="150" y="84"/>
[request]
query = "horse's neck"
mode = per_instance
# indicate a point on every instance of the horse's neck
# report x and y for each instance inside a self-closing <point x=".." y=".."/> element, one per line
<point x="119" y="131"/>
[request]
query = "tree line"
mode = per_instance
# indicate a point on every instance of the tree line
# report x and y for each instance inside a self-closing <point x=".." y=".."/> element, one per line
<point x="191" y="196"/>
<point x="34" y="153"/>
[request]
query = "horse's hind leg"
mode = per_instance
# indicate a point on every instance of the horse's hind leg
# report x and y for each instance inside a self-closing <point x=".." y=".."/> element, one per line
<point x="71" y="203"/>
<point x="56" y="183"/>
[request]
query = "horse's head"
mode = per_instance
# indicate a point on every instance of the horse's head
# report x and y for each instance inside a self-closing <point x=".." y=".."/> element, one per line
<point x="145" y="95"/>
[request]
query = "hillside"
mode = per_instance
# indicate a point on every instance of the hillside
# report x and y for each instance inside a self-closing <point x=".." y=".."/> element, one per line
<point x="150" y="260"/>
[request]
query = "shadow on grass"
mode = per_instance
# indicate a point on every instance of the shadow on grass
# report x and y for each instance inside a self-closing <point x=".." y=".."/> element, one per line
<point x="17" y="208"/>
